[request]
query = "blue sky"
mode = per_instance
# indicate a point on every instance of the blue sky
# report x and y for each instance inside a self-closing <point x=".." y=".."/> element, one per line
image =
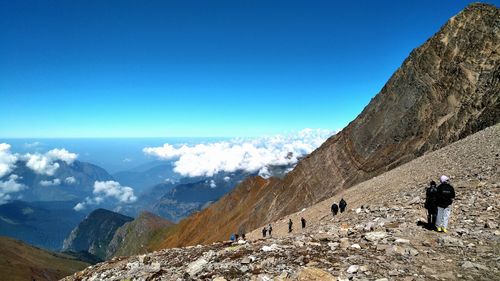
<point x="200" y="68"/>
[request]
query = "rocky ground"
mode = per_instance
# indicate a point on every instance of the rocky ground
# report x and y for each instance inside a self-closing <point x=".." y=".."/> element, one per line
<point x="379" y="237"/>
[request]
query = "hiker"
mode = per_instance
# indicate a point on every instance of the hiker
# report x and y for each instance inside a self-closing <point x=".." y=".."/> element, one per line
<point x="243" y="236"/>
<point x="335" y="209"/>
<point x="264" y="231"/>
<point x="430" y="204"/>
<point x="270" y="230"/>
<point x="236" y="236"/>
<point x="342" y="205"/>
<point x="290" y="223"/>
<point x="303" y="222"/>
<point x="232" y="237"/>
<point x="445" y="196"/>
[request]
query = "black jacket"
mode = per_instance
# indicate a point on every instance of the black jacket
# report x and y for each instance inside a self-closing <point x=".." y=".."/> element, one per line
<point x="335" y="208"/>
<point x="445" y="195"/>
<point x="431" y="197"/>
<point x="342" y="204"/>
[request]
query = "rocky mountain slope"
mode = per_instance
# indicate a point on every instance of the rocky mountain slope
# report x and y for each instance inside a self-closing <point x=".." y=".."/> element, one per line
<point x="95" y="232"/>
<point x="380" y="236"/>
<point x="20" y="262"/>
<point x="134" y="237"/>
<point x="445" y="90"/>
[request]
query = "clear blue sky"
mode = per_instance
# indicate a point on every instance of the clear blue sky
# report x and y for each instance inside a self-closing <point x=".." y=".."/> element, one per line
<point x="200" y="68"/>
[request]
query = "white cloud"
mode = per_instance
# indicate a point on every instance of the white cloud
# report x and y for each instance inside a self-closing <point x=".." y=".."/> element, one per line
<point x="124" y="194"/>
<point x="212" y="184"/>
<point x="50" y="183"/>
<point x="252" y="155"/>
<point x="108" y="189"/>
<point x="45" y="164"/>
<point x="9" y="186"/>
<point x="70" y="180"/>
<point x="226" y="179"/>
<point x="80" y="206"/>
<point x="33" y="144"/>
<point x="7" y="159"/>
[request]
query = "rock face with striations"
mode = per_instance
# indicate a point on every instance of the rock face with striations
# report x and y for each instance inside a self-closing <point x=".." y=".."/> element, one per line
<point x="446" y="89"/>
<point x="95" y="232"/>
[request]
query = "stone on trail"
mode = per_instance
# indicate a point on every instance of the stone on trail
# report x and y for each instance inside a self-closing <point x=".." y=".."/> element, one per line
<point x="196" y="266"/>
<point x="313" y="273"/>
<point x="375" y="236"/>
<point x="353" y="269"/>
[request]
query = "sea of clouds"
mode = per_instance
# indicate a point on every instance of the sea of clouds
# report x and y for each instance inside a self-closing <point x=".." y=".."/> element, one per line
<point x="252" y="155"/>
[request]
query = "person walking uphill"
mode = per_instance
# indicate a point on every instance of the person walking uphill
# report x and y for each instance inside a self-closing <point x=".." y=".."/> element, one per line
<point x="444" y="199"/>
<point x="335" y="209"/>
<point x="270" y="230"/>
<point x="430" y="205"/>
<point x="342" y="205"/>
<point x="303" y="220"/>
<point x="264" y="232"/>
<point x="290" y="223"/>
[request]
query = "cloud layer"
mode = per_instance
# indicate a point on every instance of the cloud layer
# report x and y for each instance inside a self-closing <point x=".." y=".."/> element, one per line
<point x="9" y="186"/>
<point x="40" y="163"/>
<point x="45" y="164"/>
<point x="7" y="159"/>
<point x="252" y="155"/>
<point x="108" y="189"/>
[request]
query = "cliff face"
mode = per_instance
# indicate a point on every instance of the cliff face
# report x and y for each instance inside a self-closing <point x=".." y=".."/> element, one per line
<point x="446" y="89"/>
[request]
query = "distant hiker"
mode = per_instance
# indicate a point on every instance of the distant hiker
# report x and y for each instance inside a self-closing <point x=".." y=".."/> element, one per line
<point x="232" y="237"/>
<point x="270" y="230"/>
<point x="236" y="236"/>
<point x="303" y="222"/>
<point x="342" y="205"/>
<point x="243" y="236"/>
<point x="430" y="204"/>
<point x="335" y="209"/>
<point x="290" y="223"/>
<point x="264" y="231"/>
<point x="445" y="196"/>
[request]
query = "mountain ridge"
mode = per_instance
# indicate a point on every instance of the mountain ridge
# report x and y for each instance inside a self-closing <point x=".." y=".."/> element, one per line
<point x="445" y="90"/>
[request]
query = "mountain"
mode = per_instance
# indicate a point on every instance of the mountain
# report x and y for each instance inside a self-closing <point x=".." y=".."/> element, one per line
<point x="43" y="224"/>
<point x="20" y="262"/>
<point x="70" y="182"/>
<point x="148" y="175"/>
<point x="381" y="236"/>
<point x="446" y="89"/>
<point x="95" y="232"/>
<point x="186" y="198"/>
<point x="179" y="197"/>
<point x="133" y="237"/>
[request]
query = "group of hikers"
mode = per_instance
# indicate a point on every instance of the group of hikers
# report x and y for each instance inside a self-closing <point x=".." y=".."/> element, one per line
<point x="267" y="230"/>
<point x="341" y="206"/>
<point x="438" y="200"/>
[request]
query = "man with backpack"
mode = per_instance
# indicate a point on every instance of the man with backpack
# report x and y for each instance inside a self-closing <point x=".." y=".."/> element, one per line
<point x="290" y="223"/>
<point x="445" y="195"/>
<point x="430" y="205"/>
